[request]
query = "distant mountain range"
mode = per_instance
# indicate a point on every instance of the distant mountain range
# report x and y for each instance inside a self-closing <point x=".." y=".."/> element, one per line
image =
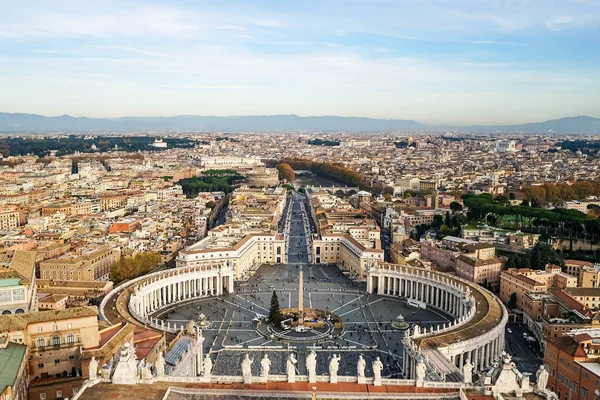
<point x="18" y="122"/>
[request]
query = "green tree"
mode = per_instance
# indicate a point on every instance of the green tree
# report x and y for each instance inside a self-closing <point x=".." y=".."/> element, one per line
<point x="512" y="301"/>
<point x="542" y="254"/>
<point x="455" y="206"/>
<point x="274" y="311"/>
<point x="210" y="204"/>
<point x="438" y="220"/>
<point x="447" y="220"/>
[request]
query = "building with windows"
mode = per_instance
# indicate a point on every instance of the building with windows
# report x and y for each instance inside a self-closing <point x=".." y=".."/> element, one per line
<point x="573" y="363"/>
<point x="350" y="254"/>
<point x="11" y="217"/>
<point x="13" y="371"/>
<point x="17" y="282"/>
<point x="245" y="252"/>
<point x="524" y="281"/>
<point x="85" y="264"/>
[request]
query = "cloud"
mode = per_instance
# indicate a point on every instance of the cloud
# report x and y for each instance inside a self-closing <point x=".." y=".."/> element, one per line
<point x="560" y="23"/>
<point x="133" y="50"/>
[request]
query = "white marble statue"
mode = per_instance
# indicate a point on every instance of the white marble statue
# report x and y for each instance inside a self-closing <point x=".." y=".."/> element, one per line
<point x="190" y="328"/>
<point x="207" y="365"/>
<point x="420" y="370"/>
<point x="360" y="366"/>
<point x="334" y="366"/>
<point x="159" y="364"/>
<point x="311" y="366"/>
<point x="93" y="369"/>
<point x="265" y="366"/>
<point x="377" y="368"/>
<point x="290" y="368"/>
<point x="126" y="369"/>
<point x="542" y="378"/>
<point x="247" y="368"/>
<point x="468" y="371"/>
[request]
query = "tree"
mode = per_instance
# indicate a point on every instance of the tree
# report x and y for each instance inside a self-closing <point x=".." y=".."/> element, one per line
<point x="447" y="220"/>
<point x="210" y="204"/>
<point x="388" y="190"/>
<point x="542" y="254"/>
<point x="286" y="172"/>
<point x="438" y="220"/>
<point x="387" y="197"/>
<point x="512" y="301"/>
<point x="132" y="267"/>
<point x="455" y="206"/>
<point x="275" y="312"/>
<point x="485" y="283"/>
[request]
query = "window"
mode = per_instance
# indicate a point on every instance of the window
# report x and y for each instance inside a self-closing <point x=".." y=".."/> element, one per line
<point x="40" y="329"/>
<point x="575" y="387"/>
<point x="567" y="381"/>
<point x="559" y="377"/>
<point x="57" y="361"/>
<point x="56" y="340"/>
<point x="69" y="326"/>
<point x="584" y="393"/>
<point x="70" y="338"/>
<point x="71" y="357"/>
<point x="41" y="365"/>
<point x="42" y="396"/>
<point x="59" y="393"/>
<point x="40" y="342"/>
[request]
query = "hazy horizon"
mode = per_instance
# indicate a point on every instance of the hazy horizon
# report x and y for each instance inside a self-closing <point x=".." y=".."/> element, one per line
<point x="460" y="62"/>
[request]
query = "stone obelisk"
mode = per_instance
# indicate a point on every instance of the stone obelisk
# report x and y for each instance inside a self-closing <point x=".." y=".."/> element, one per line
<point x="301" y="301"/>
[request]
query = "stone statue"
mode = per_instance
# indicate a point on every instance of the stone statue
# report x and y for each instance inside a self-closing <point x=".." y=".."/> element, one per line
<point x="126" y="369"/>
<point x="542" y="378"/>
<point x="290" y="368"/>
<point x="334" y="366"/>
<point x="311" y="366"/>
<point x="207" y="365"/>
<point x="377" y="368"/>
<point x="360" y="366"/>
<point x="420" y="370"/>
<point x="190" y="328"/>
<point x="247" y="368"/>
<point x="468" y="371"/>
<point x="93" y="369"/>
<point x="140" y="367"/>
<point x="265" y="366"/>
<point x="159" y="364"/>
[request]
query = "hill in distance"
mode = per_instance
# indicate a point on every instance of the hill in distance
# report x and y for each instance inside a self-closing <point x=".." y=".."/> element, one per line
<point x="18" y="122"/>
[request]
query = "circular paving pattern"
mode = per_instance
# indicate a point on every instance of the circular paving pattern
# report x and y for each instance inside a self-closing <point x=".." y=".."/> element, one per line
<point x="366" y="320"/>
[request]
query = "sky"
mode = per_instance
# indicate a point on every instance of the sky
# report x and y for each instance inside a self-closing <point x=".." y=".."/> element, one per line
<point x="434" y="61"/>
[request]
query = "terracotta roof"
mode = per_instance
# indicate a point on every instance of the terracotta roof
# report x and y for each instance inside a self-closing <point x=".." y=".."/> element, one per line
<point x="572" y="302"/>
<point x="579" y="262"/>
<point x="566" y="344"/>
<point x="9" y="323"/>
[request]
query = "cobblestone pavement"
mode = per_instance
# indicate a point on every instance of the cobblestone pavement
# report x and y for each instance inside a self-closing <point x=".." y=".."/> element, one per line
<point x="367" y="320"/>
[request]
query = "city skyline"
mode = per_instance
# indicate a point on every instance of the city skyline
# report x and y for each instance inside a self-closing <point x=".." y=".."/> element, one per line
<point x="503" y="62"/>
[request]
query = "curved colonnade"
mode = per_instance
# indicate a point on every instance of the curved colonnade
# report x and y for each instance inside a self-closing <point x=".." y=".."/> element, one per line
<point x="151" y="293"/>
<point x="476" y="334"/>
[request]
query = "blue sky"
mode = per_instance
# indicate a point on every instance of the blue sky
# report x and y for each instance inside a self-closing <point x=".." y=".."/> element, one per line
<point x="435" y="61"/>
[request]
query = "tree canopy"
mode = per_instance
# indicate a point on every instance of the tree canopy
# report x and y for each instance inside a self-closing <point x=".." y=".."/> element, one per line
<point x="131" y="267"/>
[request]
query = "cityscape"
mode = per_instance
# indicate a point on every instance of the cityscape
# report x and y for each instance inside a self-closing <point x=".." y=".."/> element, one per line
<point x="210" y="239"/>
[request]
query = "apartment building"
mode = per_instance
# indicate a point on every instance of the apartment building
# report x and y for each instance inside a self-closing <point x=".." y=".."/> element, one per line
<point x="524" y="281"/>
<point x="11" y="217"/>
<point x="86" y="264"/>
<point x="573" y="363"/>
